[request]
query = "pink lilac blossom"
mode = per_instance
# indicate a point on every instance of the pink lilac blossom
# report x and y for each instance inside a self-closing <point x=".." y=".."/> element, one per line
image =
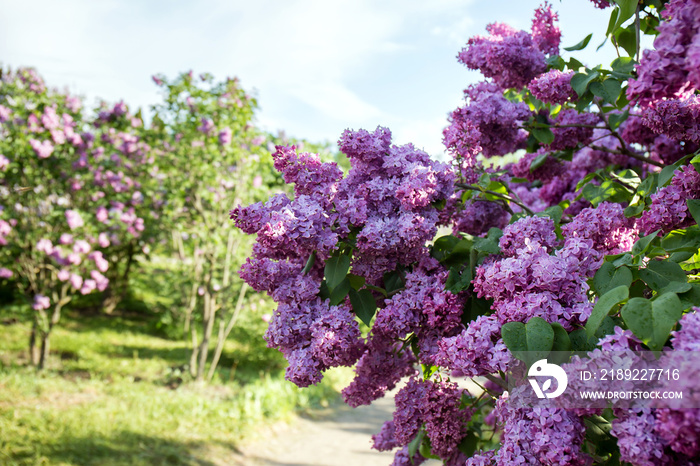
<point x="553" y="87"/>
<point x="539" y="435"/>
<point x="225" y="136"/>
<point x="669" y="209"/>
<point x="74" y="219"/>
<point x="76" y="281"/>
<point x="669" y="70"/>
<point x="545" y="33"/>
<point x="538" y="230"/>
<point x="550" y="169"/>
<point x="5" y="272"/>
<point x="508" y="56"/>
<point x="43" y="149"/>
<point x="478" y="217"/>
<point x="639" y="444"/>
<point x="497" y="120"/>
<point x="478" y="350"/>
<point x="4" y="162"/>
<point x="41" y="302"/>
<point x="379" y="369"/>
<point x="605" y="225"/>
<point x="568" y="137"/>
<point x="677" y="119"/>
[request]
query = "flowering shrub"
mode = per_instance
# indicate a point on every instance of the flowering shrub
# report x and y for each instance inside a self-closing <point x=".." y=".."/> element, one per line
<point x="588" y="242"/>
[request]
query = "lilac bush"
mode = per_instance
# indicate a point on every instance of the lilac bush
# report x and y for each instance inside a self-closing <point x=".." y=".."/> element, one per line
<point x="587" y="226"/>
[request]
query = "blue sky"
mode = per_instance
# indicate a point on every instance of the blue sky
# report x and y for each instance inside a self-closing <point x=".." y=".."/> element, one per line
<point x="316" y="66"/>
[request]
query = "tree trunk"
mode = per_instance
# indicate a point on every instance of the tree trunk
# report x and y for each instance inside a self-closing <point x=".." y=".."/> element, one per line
<point x="44" y="357"/>
<point x="33" y="348"/>
<point x="209" y="317"/>
<point x="195" y="352"/>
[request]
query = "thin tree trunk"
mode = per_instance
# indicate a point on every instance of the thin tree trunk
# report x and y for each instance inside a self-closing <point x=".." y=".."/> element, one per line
<point x="33" y="348"/>
<point x="224" y="335"/>
<point x="195" y="352"/>
<point x="209" y="317"/>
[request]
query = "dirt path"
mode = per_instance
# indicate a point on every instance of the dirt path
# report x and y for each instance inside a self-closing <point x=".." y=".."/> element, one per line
<point x="339" y="436"/>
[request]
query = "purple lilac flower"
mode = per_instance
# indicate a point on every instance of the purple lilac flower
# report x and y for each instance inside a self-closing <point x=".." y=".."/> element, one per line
<point x="668" y="70"/>
<point x="677" y="119"/>
<point x="497" y="120"/>
<point x="545" y="33"/>
<point x="225" y="136"/>
<point x="605" y="225"/>
<point x="478" y="217"/>
<point x="478" y="350"/>
<point x="41" y="302"/>
<point x="566" y="137"/>
<point x="4" y="162"/>
<point x="669" y="209"/>
<point x="539" y="435"/>
<point x="5" y="272"/>
<point x="508" y="56"/>
<point x="553" y="87"/>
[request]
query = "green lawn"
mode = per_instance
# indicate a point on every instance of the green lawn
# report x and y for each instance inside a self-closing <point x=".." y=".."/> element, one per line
<point x="114" y="395"/>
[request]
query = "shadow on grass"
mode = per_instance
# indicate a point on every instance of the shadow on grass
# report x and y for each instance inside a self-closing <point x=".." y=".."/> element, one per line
<point x="125" y="448"/>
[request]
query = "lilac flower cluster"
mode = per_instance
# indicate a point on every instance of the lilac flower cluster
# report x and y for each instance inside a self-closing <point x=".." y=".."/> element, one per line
<point x="670" y="70"/>
<point x="677" y="119"/>
<point x="541" y="435"/>
<point x="508" y="56"/>
<point x="478" y="217"/>
<point x="497" y="120"/>
<point x="572" y="128"/>
<point x="530" y="281"/>
<point x="669" y="209"/>
<point x="545" y="33"/>
<point x="388" y="189"/>
<point x="553" y="87"/>
<point x="433" y="405"/>
<point x="605" y="225"/>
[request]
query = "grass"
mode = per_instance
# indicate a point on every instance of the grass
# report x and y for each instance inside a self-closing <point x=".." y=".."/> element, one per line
<point x="114" y="395"/>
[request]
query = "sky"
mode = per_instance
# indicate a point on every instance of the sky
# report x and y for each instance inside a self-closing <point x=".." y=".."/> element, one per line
<point x="316" y="67"/>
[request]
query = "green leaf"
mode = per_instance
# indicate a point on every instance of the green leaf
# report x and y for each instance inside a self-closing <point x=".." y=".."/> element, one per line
<point x="561" y="342"/>
<point x="627" y="39"/>
<point x="574" y="64"/>
<point x="555" y="213"/>
<point x="545" y="136"/>
<point x="487" y="245"/>
<point x="604" y="305"/>
<point x="616" y="119"/>
<point x="623" y="64"/>
<point x="339" y="293"/>
<point x="580" y="81"/>
<point x="309" y="263"/>
<point x="392" y="281"/>
<point x="556" y="62"/>
<point x="694" y="208"/>
<point x="659" y="274"/>
<point x="356" y="281"/>
<point x="581" y="45"/>
<point x="415" y="444"/>
<point x="667" y="310"/>
<point x="687" y="240"/>
<point x="676" y="287"/>
<point x="514" y="337"/>
<point x="633" y="210"/>
<point x="638" y="315"/>
<point x="643" y="243"/>
<point x="363" y="304"/>
<point x="692" y="297"/>
<point x="337" y="268"/>
<point x="608" y="90"/>
<point x="696" y="163"/>
<point x="627" y="9"/>
<point x="457" y="282"/>
<point x="540" y="337"/>
<point x="653" y="321"/>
